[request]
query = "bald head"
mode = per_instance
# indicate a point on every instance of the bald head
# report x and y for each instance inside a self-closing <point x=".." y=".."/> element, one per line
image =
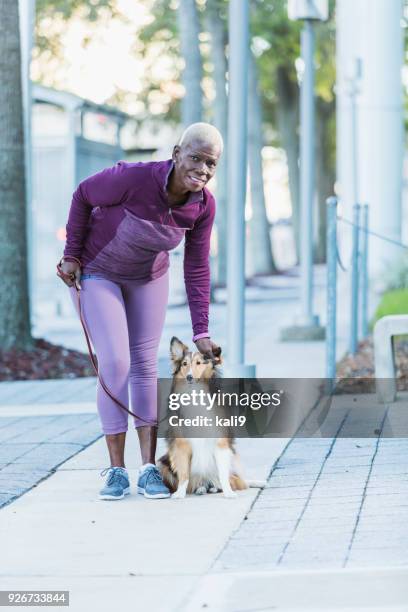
<point x="202" y="133"/>
<point x="195" y="159"/>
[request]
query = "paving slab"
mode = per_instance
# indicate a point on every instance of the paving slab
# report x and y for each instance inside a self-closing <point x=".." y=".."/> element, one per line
<point x="331" y="506"/>
<point x="379" y="590"/>
<point x="32" y="447"/>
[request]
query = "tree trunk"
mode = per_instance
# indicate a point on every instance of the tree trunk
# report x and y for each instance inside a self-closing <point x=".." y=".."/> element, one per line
<point x="288" y="121"/>
<point x="325" y="171"/>
<point x="14" y="299"/>
<point x="189" y="30"/>
<point x="260" y="259"/>
<point x="216" y="26"/>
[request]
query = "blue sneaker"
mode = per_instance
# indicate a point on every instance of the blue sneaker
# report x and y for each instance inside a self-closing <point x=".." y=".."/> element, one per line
<point x="150" y="483"/>
<point x="116" y="485"/>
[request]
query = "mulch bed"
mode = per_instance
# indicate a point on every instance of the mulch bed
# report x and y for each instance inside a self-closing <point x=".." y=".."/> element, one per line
<point x="46" y="360"/>
<point x="361" y="366"/>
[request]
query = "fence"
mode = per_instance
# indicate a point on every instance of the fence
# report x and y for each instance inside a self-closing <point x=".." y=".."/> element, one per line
<point x="359" y="277"/>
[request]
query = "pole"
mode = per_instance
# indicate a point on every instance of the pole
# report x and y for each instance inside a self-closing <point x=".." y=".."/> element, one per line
<point x="307" y="173"/>
<point x="331" y="234"/>
<point x="237" y="172"/>
<point x="364" y="272"/>
<point x="354" y="281"/>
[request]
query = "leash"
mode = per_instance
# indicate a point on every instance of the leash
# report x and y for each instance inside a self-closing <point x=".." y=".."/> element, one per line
<point x="71" y="277"/>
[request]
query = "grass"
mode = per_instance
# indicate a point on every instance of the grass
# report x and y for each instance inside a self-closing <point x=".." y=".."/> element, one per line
<point x="392" y="302"/>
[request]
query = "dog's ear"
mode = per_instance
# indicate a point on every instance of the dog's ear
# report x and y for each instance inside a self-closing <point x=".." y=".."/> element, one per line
<point x="217" y="352"/>
<point x="177" y="349"/>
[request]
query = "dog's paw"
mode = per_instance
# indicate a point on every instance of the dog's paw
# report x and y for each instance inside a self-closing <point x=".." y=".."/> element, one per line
<point x="200" y="490"/>
<point x="179" y="495"/>
<point x="230" y="494"/>
<point x="213" y="490"/>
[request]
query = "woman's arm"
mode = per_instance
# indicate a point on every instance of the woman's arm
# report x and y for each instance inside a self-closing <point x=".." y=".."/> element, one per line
<point x="197" y="268"/>
<point x="104" y="188"/>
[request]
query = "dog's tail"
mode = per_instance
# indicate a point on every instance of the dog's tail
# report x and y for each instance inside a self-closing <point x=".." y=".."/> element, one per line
<point x="239" y="484"/>
<point x="256" y="484"/>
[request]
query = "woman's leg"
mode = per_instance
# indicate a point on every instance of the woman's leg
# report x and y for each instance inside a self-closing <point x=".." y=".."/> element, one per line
<point x="146" y="310"/>
<point x="116" y="448"/>
<point x="105" y="317"/>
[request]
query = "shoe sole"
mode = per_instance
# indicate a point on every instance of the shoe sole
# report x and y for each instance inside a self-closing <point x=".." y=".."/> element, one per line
<point x="115" y="497"/>
<point x="158" y="496"/>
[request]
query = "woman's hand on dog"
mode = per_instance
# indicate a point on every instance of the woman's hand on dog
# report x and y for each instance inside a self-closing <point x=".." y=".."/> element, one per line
<point x="209" y="349"/>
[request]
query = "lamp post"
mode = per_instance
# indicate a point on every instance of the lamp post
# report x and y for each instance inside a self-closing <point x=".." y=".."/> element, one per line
<point x="307" y="327"/>
<point x="237" y="172"/>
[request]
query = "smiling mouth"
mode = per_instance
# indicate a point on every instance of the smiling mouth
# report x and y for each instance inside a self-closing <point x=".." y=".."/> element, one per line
<point x="196" y="180"/>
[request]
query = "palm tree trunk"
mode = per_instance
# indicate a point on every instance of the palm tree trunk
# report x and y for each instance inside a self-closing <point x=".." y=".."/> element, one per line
<point x="325" y="170"/>
<point x="216" y="26"/>
<point x="288" y="120"/>
<point x="189" y="30"/>
<point x="260" y="258"/>
<point x="14" y="299"/>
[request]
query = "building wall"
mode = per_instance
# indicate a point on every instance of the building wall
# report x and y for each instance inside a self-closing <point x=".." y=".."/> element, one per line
<point x="370" y="32"/>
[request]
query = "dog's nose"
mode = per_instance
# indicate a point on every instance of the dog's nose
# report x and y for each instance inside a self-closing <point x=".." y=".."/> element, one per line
<point x="189" y="378"/>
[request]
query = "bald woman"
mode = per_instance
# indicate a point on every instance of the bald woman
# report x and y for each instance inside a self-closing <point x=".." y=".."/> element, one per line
<point x="122" y="223"/>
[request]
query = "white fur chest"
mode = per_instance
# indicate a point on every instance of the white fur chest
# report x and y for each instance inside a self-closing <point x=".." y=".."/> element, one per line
<point x="203" y="457"/>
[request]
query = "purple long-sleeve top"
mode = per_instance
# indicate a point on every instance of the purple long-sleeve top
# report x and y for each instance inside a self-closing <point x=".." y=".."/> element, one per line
<point x="121" y="227"/>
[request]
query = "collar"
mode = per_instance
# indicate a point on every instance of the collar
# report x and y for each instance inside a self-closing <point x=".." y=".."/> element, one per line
<point x="163" y="171"/>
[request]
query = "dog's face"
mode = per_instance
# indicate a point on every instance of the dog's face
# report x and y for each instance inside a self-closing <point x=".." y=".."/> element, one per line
<point x="190" y="365"/>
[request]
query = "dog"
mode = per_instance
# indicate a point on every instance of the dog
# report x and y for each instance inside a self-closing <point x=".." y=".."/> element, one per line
<point x="199" y="465"/>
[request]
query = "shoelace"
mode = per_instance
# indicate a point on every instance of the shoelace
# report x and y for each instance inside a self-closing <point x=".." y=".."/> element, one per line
<point x="114" y="471"/>
<point x="154" y="475"/>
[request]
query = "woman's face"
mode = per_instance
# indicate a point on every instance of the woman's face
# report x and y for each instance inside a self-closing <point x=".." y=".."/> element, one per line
<point x="195" y="164"/>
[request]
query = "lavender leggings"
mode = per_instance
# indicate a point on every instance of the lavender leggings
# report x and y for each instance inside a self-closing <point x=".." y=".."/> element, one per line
<point x="124" y="323"/>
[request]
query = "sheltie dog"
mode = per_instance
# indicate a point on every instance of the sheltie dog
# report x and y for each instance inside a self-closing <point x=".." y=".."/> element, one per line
<point x="199" y="465"/>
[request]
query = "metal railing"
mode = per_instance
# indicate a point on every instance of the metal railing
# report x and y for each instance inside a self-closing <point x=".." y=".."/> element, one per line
<point x="359" y="277"/>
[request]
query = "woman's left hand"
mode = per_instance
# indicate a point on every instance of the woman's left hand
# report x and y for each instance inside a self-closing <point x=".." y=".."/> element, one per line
<point x="208" y="348"/>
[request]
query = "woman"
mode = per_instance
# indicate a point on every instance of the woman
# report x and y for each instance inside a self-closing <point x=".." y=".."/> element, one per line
<point x="121" y="225"/>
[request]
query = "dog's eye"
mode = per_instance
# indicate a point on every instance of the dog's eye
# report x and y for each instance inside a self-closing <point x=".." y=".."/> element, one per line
<point x="198" y="362"/>
<point x="184" y="362"/>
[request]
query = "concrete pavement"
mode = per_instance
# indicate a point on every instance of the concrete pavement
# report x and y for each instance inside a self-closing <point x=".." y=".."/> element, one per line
<point x="136" y="553"/>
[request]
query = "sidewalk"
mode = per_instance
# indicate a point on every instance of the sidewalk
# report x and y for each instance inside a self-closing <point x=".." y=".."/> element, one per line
<point x="137" y="553"/>
<point x="328" y="533"/>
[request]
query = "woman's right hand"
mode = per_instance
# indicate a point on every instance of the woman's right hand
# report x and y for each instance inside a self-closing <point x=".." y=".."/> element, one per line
<point x="71" y="267"/>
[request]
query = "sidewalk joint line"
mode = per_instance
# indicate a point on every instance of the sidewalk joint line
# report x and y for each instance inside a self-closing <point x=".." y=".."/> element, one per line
<point x="231" y="535"/>
<point x="50" y="471"/>
<point x="286" y="546"/>
<point x="353" y="535"/>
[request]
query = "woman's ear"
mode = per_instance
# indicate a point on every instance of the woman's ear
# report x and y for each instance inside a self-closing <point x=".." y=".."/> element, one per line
<point x="176" y="151"/>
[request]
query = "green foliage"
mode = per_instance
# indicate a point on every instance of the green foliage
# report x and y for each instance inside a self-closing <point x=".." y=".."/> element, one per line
<point x="392" y="302"/>
<point x="66" y="8"/>
<point x="163" y="27"/>
<point x="281" y="37"/>
<point x="275" y="42"/>
<point x="160" y="37"/>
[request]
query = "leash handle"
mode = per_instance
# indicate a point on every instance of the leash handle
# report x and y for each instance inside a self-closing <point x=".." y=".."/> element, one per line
<point x="71" y="277"/>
